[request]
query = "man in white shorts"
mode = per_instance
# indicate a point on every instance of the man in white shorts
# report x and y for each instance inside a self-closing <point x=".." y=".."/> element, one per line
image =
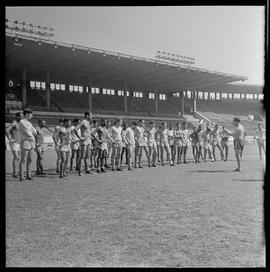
<point x="129" y="140"/>
<point x="164" y="144"/>
<point x="116" y="139"/>
<point x="40" y="145"/>
<point x="216" y="142"/>
<point x="152" y="145"/>
<point x="207" y="139"/>
<point x="13" y="135"/>
<point x="108" y="127"/>
<point x="64" y="146"/>
<point x="85" y="142"/>
<point x="140" y="143"/>
<point x="185" y="141"/>
<point x="171" y="142"/>
<point x="74" y="145"/>
<point x="260" y="138"/>
<point x="56" y="143"/>
<point x="27" y="144"/>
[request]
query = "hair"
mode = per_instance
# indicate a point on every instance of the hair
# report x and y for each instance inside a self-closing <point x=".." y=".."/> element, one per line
<point x="27" y="110"/>
<point x="134" y="123"/>
<point x="66" y="120"/>
<point x="86" y="113"/>
<point x="184" y="123"/>
<point x="18" y="114"/>
<point x="39" y="121"/>
<point x="236" y="119"/>
<point x="61" y="120"/>
<point x="94" y="121"/>
<point x="163" y="123"/>
<point x="140" y="120"/>
<point x="75" y="120"/>
<point x="151" y="122"/>
<point x="118" y="120"/>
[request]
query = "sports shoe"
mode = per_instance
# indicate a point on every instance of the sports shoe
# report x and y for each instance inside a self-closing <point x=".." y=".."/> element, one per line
<point x="153" y="165"/>
<point x="22" y="179"/>
<point x="14" y="175"/>
<point x="81" y="174"/>
<point x="119" y="169"/>
<point x="140" y="166"/>
<point x="113" y="169"/>
<point x="171" y="164"/>
<point x="130" y="169"/>
<point x="103" y="170"/>
<point x="99" y="171"/>
<point x="29" y="178"/>
<point x="236" y="170"/>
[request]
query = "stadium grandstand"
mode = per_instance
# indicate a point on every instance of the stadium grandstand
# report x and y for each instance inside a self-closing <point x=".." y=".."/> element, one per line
<point x="58" y="79"/>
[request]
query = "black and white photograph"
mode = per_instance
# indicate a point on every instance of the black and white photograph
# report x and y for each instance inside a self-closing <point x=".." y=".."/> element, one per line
<point x="170" y="96"/>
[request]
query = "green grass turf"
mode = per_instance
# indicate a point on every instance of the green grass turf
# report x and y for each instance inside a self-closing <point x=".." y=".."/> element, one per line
<point x="189" y="215"/>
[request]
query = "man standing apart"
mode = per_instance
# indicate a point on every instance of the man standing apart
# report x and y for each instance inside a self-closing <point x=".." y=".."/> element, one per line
<point x="27" y="144"/>
<point x="238" y="139"/>
<point x="260" y="138"/>
<point x="13" y="135"/>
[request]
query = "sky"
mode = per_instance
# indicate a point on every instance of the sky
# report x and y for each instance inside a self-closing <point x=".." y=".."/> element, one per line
<point x="221" y="38"/>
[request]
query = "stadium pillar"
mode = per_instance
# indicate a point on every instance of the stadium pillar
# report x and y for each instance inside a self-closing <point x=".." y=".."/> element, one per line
<point x="48" y="90"/>
<point x="125" y="96"/>
<point x="194" y="108"/>
<point x="24" y="102"/>
<point x="182" y="104"/>
<point x="156" y="100"/>
<point x="90" y="94"/>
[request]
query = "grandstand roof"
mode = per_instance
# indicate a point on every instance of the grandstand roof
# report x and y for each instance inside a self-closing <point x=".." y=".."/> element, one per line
<point x="107" y="69"/>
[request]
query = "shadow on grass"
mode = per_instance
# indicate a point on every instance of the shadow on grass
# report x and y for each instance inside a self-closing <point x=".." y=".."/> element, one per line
<point x="208" y="171"/>
<point x="248" y="180"/>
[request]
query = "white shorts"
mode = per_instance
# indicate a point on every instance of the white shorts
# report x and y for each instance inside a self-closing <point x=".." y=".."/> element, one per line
<point x="14" y="146"/>
<point x="27" y="145"/>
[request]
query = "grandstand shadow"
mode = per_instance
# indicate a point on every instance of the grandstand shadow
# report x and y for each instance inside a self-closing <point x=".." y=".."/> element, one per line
<point x="208" y="171"/>
<point x="248" y="180"/>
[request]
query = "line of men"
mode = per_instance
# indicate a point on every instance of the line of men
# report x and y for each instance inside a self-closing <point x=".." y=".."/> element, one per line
<point x="91" y="145"/>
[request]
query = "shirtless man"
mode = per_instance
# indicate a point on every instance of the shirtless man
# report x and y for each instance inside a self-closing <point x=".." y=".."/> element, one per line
<point x="40" y="145"/>
<point x="102" y="132"/>
<point x="108" y="127"/>
<point x="200" y="143"/>
<point x="216" y="142"/>
<point x="260" y="138"/>
<point x="185" y="141"/>
<point x="56" y="142"/>
<point x="27" y="144"/>
<point x="116" y="139"/>
<point x="178" y="142"/>
<point x="164" y="144"/>
<point x="85" y="142"/>
<point x="64" y="146"/>
<point x="238" y="140"/>
<point x="193" y="137"/>
<point x="74" y="145"/>
<point x="207" y="139"/>
<point x="224" y="143"/>
<point x="128" y="138"/>
<point x="13" y="135"/>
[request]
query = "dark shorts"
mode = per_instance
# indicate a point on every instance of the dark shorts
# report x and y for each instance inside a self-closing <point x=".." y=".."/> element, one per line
<point x="238" y="144"/>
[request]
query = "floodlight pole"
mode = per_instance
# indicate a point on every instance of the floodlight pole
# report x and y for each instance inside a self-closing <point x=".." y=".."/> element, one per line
<point x="90" y="94"/>
<point x="24" y="75"/>
<point x="48" y="90"/>
<point x="125" y="96"/>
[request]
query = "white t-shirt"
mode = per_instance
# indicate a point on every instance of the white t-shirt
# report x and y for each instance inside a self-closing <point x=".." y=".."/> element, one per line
<point x="128" y="136"/>
<point x="115" y="133"/>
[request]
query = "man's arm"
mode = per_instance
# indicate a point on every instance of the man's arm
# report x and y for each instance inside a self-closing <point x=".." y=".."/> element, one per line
<point x="11" y="126"/>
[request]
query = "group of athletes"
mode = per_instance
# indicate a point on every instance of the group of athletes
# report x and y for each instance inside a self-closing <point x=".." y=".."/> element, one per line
<point x="87" y="144"/>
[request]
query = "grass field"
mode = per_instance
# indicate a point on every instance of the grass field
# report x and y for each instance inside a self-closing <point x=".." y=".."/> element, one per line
<point x="189" y="215"/>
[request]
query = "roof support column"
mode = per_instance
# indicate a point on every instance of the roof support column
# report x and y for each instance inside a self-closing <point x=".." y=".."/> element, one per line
<point x="90" y="94"/>
<point x="194" y="102"/>
<point x="215" y="96"/>
<point x="182" y="103"/>
<point x="125" y="96"/>
<point x="48" y="90"/>
<point x="24" y="76"/>
<point x="156" y="100"/>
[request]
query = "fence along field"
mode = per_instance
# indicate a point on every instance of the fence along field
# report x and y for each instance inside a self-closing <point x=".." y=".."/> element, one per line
<point x="185" y="216"/>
